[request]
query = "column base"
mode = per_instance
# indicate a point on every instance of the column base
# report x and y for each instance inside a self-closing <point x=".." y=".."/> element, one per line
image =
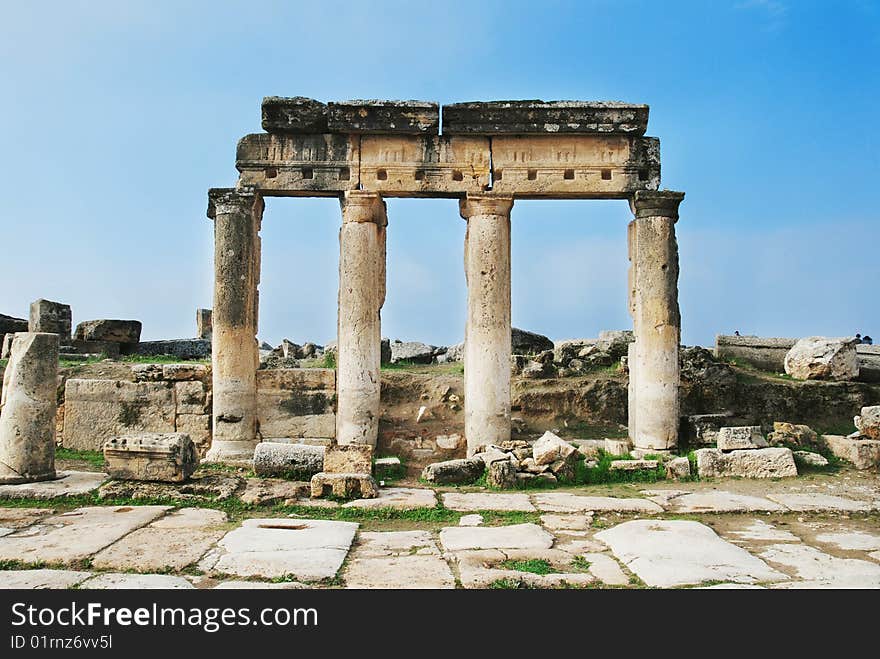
<point x="234" y="453"/>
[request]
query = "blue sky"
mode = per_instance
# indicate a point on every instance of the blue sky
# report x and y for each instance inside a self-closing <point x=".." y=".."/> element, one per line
<point x="116" y="117"/>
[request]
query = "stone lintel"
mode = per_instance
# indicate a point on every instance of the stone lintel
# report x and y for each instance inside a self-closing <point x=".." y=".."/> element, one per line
<point x="233" y="200"/>
<point x="656" y="203"/>
<point x="294" y="115"/>
<point x="363" y="206"/>
<point x="378" y="116"/>
<point x="519" y="117"/>
<point x="484" y="204"/>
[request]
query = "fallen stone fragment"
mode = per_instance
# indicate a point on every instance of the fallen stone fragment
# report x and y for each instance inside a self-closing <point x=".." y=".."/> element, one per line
<point x="550" y="448"/>
<point x="617" y="446"/>
<point x="811" y="459"/>
<point x="678" y="469"/>
<point x="823" y="358"/>
<point x="114" y="331"/>
<point x="632" y="465"/>
<point x="453" y="472"/>
<point x="756" y="463"/>
<point x="167" y="457"/>
<point x="299" y="461"/>
<point x="793" y="434"/>
<point x="270" y="491"/>
<point x="862" y="453"/>
<point x="740" y="437"/>
<point x="344" y="486"/>
<point x="868" y="422"/>
<point x="348" y="459"/>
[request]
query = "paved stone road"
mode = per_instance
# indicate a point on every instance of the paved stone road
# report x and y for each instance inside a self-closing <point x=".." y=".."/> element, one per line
<point x="800" y="537"/>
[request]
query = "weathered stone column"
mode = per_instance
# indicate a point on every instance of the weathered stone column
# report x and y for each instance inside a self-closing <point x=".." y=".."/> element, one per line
<point x="653" y="365"/>
<point x="487" y="332"/>
<point x="27" y="409"/>
<point x="359" y="329"/>
<point x="237" y="215"/>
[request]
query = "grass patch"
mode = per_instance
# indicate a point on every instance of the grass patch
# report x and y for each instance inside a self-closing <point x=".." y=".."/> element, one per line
<point x="508" y="584"/>
<point x="73" y="363"/>
<point x="94" y="458"/>
<point x="602" y="472"/>
<point x="532" y="565"/>
<point x="3" y="363"/>
<point x="580" y="564"/>
<point x="329" y="360"/>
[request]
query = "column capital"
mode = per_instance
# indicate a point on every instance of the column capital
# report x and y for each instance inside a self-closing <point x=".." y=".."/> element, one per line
<point x="363" y="206"/>
<point x="232" y="200"/>
<point x="484" y="204"/>
<point x="656" y="203"/>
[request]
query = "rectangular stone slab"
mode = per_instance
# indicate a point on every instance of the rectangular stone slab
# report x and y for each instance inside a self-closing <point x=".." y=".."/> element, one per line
<point x="518" y="117"/>
<point x="305" y="548"/>
<point x="517" y="536"/>
<point x="374" y="116"/>
<point x="297" y="402"/>
<point x="293" y="115"/>
<point x="77" y="534"/>
<point x="673" y="553"/>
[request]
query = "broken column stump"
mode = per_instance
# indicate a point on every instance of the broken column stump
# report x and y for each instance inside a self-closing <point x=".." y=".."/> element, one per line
<point x="297" y="461"/>
<point x="151" y="456"/>
<point x="27" y="409"/>
<point x="347" y="473"/>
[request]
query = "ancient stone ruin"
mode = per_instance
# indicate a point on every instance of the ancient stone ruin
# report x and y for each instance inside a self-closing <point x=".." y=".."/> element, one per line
<point x="488" y="155"/>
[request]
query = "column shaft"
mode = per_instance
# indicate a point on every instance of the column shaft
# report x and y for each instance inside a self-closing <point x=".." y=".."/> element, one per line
<point x="237" y="217"/>
<point x="359" y="331"/>
<point x="654" y="367"/>
<point x="487" y="332"/>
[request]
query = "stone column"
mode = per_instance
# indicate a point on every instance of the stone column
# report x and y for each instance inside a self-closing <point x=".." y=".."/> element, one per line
<point x="237" y="215"/>
<point x="487" y="331"/>
<point x="27" y="409"/>
<point x="653" y="365"/>
<point x="359" y="329"/>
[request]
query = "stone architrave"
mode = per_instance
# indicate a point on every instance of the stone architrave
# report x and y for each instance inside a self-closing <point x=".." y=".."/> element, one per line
<point x="237" y="215"/>
<point x="27" y="409"/>
<point x="653" y="364"/>
<point x="488" y="330"/>
<point x="50" y="317"/>
<point x="361" y="296"/>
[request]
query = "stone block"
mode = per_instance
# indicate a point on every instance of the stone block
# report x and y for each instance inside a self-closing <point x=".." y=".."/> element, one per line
<point x="112" y="331"/>
<point x="617" y="446"/>
<point x="389" y="467"/>
<point x="862" y="453"/>
<point x="297" y="403"/>
<point x="501" y="474"/>
<point x="553" y="117"/>
<point x="793" y="434"/>
<point x="147" y="372"/>
<point x="767" y="353"/>
<point x="344" y="486"/>
<point x="191" y="398"/>
<point x="293" y="115"/>
<point x="549" y="448"/>
<point x="810" y="459"/>
<point x="96" y="410"/>
<point x="11" y="325"/>
<point x="165" y="457"/>
<point x="6" y="350"/>
<point x="180" y="348"/>
<point x="823" y="358"/>
<point x="348" y="459"/>
<point x="181" y="372"/>
<point x="451" y="472"/>
<point x="28" y="408"/>
<point x="50" y="317"/>
<point x="869" y="362"/>
<point x="300" y="461"/>
<point x="868" y="422"/>
<point x="277" y="162"/>
<point x="740" y="437"/>
<point x="678" y="469"/>
<point x="755" y="463"/>
<point x="385" y="117"/>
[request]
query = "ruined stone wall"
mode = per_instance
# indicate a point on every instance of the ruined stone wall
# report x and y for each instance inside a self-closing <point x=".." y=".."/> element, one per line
<point x="297" y="403"/>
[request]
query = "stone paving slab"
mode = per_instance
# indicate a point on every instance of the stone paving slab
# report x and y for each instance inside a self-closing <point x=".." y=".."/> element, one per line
<point x="172" y="542"/>
<point x="556" y="522"/>
<point x="470" y="520"/>
<point x="77" y="534"/>
<point x="401" y="498"/>
<point x="716" y="501"/>
<point x="68" y="484"/>
<point x="12" y="519"/>
<point x="399" y="572"/>
<point x="671" y="553"/>
<point x="823" y="570"/>
<point x="762" y="531"/>
<point x="468" y="501"/>
<point x="516" y="536"/>
<point x="259" y="585"/>
<point x="479" y="569"/>
<point x="306" y="549"/>
<point x="606" y="569"/>
<point x="118" y="581"/>
<point x="393" y="543"/>
<point x="851" y="540"/>
<point x="809" y="502"/>
<point x="564" y="502"/>
<point x="41" y="579"/>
